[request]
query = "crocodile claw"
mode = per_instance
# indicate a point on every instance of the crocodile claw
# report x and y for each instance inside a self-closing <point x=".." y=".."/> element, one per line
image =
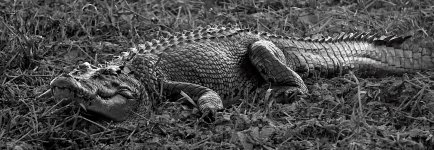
<point x="209" y="115"/>
<point x="288" y="94"/>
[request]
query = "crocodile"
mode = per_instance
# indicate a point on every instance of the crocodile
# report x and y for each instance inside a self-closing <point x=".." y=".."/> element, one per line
<point x="221" y="63"/>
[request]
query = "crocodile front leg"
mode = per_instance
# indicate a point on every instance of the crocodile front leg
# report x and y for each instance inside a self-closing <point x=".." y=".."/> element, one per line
<point x="270" y="61"/>
<point x="207" y="100"/>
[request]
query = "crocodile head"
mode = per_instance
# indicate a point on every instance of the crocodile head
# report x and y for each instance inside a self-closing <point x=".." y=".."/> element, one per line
<point x="107" y="91"/>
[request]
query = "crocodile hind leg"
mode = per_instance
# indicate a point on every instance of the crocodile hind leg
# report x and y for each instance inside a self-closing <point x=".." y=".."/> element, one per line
<point x="270" y="61"/>
<point x="207" y="100"/>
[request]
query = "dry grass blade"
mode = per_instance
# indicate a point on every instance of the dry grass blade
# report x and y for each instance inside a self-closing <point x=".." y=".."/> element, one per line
<point x="93" y="122"/>
<point x="189" y="99"/>
<point x="359" y="99"/>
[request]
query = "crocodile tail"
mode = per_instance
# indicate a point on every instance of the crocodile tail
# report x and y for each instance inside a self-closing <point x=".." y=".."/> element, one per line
<point x="391" y="40"/>
<point x="365" y="53"/>
<point x="407" y="58"/>
<point x="379" y="55"/>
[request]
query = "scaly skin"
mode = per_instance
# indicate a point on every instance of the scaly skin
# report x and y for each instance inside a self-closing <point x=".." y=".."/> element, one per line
<point x="218" y="63"/>
<point x="363" y="53"/>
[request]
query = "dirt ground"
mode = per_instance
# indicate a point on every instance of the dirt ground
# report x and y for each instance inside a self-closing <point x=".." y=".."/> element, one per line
<point x="39" y="40"/>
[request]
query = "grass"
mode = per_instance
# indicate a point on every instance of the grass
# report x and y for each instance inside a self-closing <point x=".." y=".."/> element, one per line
<point x="42" y="39"/>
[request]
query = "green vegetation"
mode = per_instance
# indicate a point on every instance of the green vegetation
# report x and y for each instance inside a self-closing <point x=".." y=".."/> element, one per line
<point x="42" y="39"/>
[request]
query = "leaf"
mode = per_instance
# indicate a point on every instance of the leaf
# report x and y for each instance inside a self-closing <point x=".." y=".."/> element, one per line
<point x="254" y="133"/>
<point x="308" y="19"/>
<point x="245" y="118"/>
<point x="243" y="139"/>
<point x="227" y="116"/>
<point x="266" y="132"/>
<point x="127" y="16"/>
<point x="267" y="95"/>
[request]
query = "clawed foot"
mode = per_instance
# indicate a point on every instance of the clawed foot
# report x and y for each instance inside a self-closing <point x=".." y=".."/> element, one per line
<point x="287" y="94"/>
<point x="209" y="115"/>
<point x="209" y="103"/>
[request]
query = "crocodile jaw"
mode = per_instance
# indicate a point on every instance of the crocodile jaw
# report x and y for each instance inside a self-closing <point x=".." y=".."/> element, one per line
<point x="112" y="104"/>
<point x="113" y="96"/>
<point x="70" y="89"/>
